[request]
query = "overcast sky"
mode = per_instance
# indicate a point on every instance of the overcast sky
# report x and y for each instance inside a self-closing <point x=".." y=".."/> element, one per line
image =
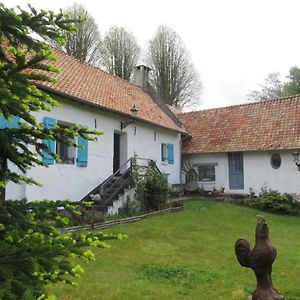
<point x="234" y="44"/>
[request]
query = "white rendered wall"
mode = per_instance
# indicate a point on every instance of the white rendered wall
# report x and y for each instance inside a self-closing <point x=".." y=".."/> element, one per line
<point x="221" y="169"/>
<point x="258" y="172"/>
<point x="63" y="181"/>
<point x="285" y="179"/>
<point x="142" y="143"/>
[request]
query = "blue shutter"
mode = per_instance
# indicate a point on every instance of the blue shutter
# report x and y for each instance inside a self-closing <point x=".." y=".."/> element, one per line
<point x="47" y="158"/>
<point x="82" y="152"/>
<point x="2" y="122"/>
<point x="170" y="148"/>
<point x="13" y="123"/>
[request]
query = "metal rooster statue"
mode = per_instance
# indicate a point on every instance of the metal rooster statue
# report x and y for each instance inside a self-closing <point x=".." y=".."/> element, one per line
<point x="260" y="259"/>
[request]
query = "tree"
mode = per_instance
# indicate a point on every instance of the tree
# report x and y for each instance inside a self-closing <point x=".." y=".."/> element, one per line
<point x="173" y="74"/>
<point x="292" y="86"/>
<point x="85" y="43"/>
<point x="119" y="52"/>
<point x="33" y="253"/>
<point x="272" y="88"/>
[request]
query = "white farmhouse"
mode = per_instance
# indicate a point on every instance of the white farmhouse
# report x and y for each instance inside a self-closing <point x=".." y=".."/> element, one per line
<point x="243" y="148"/>
<point x="95" y="99"/>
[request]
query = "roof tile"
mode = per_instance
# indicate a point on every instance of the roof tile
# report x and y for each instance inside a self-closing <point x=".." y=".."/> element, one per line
<point x="265" y="125"/>
<point x="81" y="80"/>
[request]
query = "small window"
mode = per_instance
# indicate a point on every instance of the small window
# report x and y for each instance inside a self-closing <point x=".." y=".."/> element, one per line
<point x="207" y="173"/>
<point x="64" y="151"/>
<point x="164" y="152"/>
<point x="275" y="160"/>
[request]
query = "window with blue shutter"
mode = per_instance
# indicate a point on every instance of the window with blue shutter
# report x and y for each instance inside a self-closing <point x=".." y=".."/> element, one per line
<point x="12" y="123"/>
<point x="2" y="122"/>
<point x="82" y="152"/>
<point x="47" y="158"/>
<point x="170" y="148"/>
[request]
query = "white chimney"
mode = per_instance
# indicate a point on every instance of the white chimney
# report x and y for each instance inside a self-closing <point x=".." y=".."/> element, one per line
<point x="141" y="76"/>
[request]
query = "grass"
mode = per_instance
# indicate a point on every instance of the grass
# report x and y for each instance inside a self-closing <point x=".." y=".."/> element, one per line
<point x="188" y="255"/>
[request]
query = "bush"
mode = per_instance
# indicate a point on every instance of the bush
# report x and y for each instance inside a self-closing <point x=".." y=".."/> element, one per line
<point x="152" y="191"/>
<point x="88" y="217"/>
<point x="274" y="201"/>
<point x="131" y="208"/>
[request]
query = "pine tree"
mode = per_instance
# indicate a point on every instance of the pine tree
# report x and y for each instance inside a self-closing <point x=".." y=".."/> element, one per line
<point x="33" y="253"/>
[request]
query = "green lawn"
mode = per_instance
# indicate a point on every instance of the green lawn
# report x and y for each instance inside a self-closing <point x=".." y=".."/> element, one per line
<point x="188" y="255"/>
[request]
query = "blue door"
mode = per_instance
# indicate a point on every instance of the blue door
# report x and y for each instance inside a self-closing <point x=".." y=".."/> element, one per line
<point x="236" y="171"/>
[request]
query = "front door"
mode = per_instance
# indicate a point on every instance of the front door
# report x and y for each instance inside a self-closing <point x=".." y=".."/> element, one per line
<point x="116" y="158"/>
<point x="236" y="171"/>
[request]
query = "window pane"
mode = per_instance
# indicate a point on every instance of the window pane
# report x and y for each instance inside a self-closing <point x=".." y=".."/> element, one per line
<point x="206" y="173"/>
<point x="163" y="152"/>
<point x="65" y="152"/>
<point x="275" y="160"/>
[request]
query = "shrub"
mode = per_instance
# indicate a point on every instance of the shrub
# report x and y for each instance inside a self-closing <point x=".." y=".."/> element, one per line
<point x="88" y="216"/>
<point x="131" y="208"/>
<point x="273" y="201"/>
<point x="152" y="190"/>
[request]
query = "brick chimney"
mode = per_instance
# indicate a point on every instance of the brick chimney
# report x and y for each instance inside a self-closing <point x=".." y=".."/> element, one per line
<point x="141" y="76"/>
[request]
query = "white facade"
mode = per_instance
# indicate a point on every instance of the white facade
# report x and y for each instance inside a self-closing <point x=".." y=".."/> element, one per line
<point x="258" y="172"/>
<point x="68" y="181"/>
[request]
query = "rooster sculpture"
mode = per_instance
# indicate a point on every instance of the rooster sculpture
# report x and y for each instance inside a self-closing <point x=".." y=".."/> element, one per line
<point x="260" y="259"/>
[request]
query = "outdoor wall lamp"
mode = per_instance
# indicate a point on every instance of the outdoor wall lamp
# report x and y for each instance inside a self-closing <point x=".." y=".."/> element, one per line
<point x="133" y="112"/>
<point x="296" y="159"/>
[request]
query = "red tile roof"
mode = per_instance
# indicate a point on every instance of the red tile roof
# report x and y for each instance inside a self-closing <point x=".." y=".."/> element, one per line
<point x="266" y="125"/>
<point x="82" y="81"/>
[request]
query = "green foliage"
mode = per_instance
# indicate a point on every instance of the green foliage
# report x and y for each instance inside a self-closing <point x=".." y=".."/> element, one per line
<point x="65" y="213"/>
<point x="292" y="87"/>
<point x="88" y="216"/>
<point x="152" y="190"/>
<point x="274" y="201"/>
<point x="273" y="87"/>
<point x="19" y="95"/>
<point x="34" y="253"/>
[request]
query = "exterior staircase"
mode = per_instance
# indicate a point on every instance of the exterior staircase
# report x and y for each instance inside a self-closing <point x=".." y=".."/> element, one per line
<point x="111" y="195"/>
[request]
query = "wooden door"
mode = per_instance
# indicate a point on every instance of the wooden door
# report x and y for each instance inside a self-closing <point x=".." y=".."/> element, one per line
<point x="116" y="157"/>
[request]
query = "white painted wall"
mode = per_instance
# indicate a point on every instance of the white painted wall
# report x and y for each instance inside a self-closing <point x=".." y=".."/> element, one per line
<point x="258" y="172"/>
<point x="143" y="144"/>
<point x="62" y="181"/>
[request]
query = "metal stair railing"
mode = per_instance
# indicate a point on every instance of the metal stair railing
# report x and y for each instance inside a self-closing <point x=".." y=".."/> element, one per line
<point x="106" y="182"/>
<point x="108" y="185"/>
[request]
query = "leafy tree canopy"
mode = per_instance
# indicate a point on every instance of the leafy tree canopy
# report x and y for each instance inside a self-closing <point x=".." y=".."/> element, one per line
<point x="273" y="87"/>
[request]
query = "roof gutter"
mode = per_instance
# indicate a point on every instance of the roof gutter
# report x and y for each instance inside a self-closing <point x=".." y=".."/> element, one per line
<point x="82" y="101"/>
<point x="233" y="151"/>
